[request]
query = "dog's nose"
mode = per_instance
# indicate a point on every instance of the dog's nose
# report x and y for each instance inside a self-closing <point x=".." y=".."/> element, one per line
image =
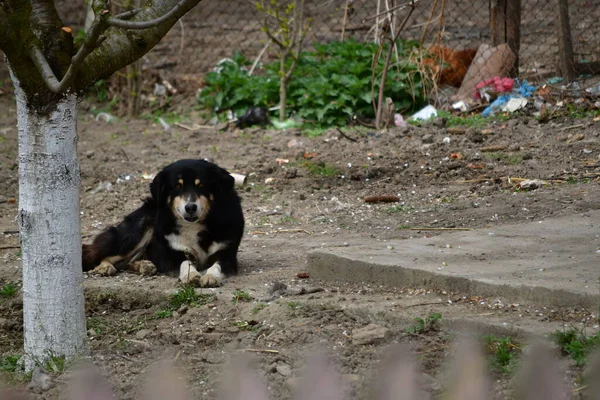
<point x="191" y="208"/>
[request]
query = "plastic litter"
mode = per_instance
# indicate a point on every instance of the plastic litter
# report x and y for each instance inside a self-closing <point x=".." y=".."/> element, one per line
<point x="164" y="124"/>
<point x="460" y="106"/>
<point x="514" y="104"/>
<point x="521" y="90"/>
<point x="531" y="184"/>
<point x="399" y="121"/>
<point x="106" y="117"/>
<point x="425" y="113"/>
<point x="102" y="187"/>
<point x="287" y="124"/>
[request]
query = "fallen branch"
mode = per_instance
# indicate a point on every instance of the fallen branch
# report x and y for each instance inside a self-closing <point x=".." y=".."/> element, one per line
<point x="566" y="128"/>
<point x="441" y="229"/>
<point x="382" y="199"/>
<point x="8" y="247"/>
<point x="281" y="231"/>
<point x="488" y="149"/>
<point x="346" y="136"/>
<point x="261" y="351"/>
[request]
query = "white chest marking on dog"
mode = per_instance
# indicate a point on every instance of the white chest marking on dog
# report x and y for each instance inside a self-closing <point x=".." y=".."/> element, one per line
<point x="187" y="241"/>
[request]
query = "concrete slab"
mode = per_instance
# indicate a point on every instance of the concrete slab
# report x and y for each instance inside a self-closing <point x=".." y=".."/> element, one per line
<point x="553" y="262"/>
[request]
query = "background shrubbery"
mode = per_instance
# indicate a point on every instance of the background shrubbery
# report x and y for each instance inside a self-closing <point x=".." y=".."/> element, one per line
<point x="329" y="86"/>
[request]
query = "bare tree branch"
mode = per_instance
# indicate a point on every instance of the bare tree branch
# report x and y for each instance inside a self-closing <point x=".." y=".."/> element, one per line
<point x="5" y="31"/>
<point x="122" y="47"/>
<point x="92" y="41"/>
<point x="120" y="23"/>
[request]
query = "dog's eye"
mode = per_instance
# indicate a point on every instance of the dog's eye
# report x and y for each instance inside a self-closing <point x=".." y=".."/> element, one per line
<point x="178" y="186"/>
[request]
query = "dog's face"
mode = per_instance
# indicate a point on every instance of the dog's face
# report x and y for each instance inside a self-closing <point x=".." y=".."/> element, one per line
<point x="189" y="187"/>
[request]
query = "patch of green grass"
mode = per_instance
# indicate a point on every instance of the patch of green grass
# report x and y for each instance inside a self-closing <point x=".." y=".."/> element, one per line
<point x="504" y="352"/>
<point x="10" y="363"/>
<point x="504" y="157"/>
<point x="97" y="325"/>
<point x="321" y="169"/>
<point x="9" y="290"/>
<point x="240" y="295"/>
<point x="288" y="219"/>
<point x="162" y="314"/>
<point x="428" y="324"/>
<point x="404" y="227"/>
<point x="314" y="132"/>
<point x="398" y="209"/>
<point x="468" y="121"/>
<point x="294" y="305"/>
<point x="184" y="296"/>
<point x="55" y="364"/>
<point x="577" y="344"/>
<point x="258" y="307"/>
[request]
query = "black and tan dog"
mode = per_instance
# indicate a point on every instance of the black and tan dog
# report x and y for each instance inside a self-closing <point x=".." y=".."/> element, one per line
<point x="192" y="222"/>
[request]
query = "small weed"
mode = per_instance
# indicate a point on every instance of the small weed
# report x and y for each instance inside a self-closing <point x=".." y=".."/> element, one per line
<point x="430" y="323"/>
<point x="315" y="132"/>
<point x="321" y="169"/>
<point x="572" y="180"/>
<point x="247" y="325"/>
<point x="258" y="307"/>
<point x="97" y="325"/>
<point x="9" y="290"/>
<point x="240" y="295"/>
<point x="505" y="158"/>
<point x="185" y="296"/>
<point x="55" y="364"/>
<point x="448" y="199"/>
<point x="162" y="314"/>
<point x="577" y="344"/>
<point x="288" y="219"/>
<point x="404" y="227"/>
<point x="10" y="363"/>
<point x="398" y="209"/>
<point x="504" y="353"/>
<point x="294" y="305"/>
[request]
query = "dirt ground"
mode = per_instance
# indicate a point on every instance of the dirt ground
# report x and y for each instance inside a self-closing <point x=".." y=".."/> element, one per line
<point x="314" y="199"/>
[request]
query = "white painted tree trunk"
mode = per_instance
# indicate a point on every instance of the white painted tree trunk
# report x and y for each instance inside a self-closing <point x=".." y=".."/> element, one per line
<point x="53" y="302"/>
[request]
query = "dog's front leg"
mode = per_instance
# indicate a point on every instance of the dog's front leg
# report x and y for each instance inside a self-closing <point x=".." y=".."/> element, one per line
<point x="188" y="274"/>
<point x="213" y="276"/>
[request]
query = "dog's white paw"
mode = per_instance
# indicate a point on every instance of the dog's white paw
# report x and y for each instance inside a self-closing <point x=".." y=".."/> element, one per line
<point x="210" y="281"/>
<point x="104" y="269"/>
<point x="188" y="275"/>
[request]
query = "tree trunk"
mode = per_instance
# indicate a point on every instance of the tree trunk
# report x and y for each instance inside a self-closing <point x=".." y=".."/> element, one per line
<point x="53" y="302"/>
<point x="282" y="89"/>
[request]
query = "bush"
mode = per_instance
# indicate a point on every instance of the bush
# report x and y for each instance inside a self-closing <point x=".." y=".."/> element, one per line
<point x="330" y="84"/>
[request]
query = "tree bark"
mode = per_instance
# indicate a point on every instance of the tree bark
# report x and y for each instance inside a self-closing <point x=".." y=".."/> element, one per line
<point x="282" y="89"/>
<point x="49" y="177"/>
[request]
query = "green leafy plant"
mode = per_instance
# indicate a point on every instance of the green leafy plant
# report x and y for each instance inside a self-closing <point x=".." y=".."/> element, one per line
<point x="288" y="35"/>
<point x="258" y="307"/>
<point x="428" y="324"/>
<point x="331" y="84"/>
<point x="240" y="295"/>
<point x="504" y="353"/>
<point x="184" y="296"/>
<point x="576" y="344"/>
<point x="321" y="169"/>
<point x="9" y="290"/>
<point x="10" y="363"/>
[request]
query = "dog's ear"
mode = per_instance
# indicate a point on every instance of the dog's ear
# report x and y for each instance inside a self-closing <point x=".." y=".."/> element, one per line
<point x="158" y="187"/>
<point x="224" y="182"/>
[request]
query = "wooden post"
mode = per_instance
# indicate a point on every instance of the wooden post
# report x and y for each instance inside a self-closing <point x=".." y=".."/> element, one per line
<point x="565" y="42"/>
<point x="505" y="27"/>
<point x="513" y="32"/>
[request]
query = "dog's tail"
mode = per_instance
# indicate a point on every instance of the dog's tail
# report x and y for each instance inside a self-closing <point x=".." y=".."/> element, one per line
<point x="105" y="245"/>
